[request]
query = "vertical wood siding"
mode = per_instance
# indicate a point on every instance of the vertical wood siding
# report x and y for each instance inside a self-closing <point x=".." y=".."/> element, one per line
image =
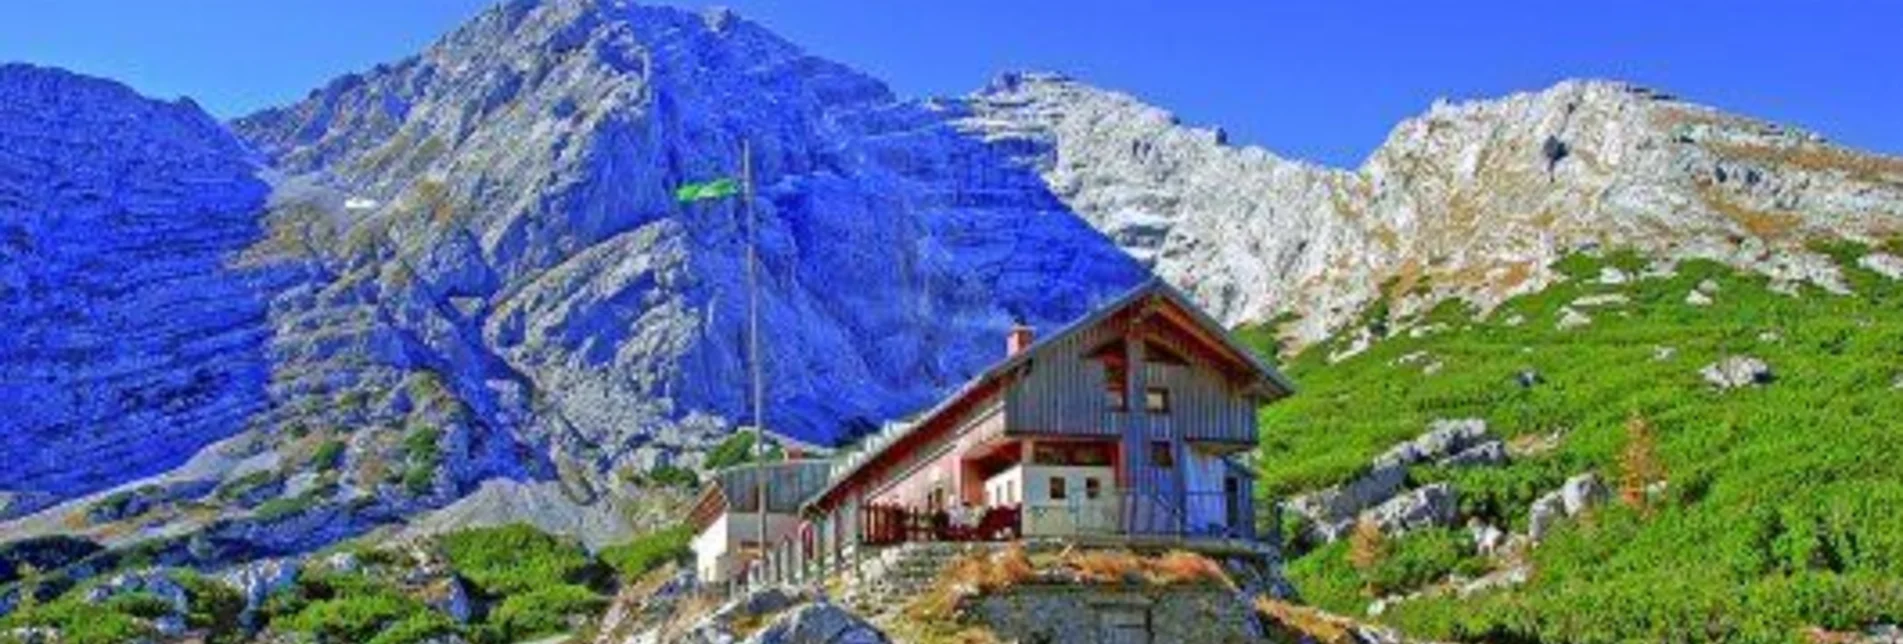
<point x="1064" y="394"/>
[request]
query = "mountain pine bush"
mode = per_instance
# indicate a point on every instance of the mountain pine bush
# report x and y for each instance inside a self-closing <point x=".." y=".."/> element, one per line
<point x="1781" y="503"/>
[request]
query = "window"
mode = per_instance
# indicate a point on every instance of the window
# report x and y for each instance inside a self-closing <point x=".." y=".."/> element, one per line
<point x="1156" y="400"/>
<point x="1058" y="493"/>
<point x="1116" y="386"/>
<point x="1092" y="488"/>
<point x="1161" y="455"/>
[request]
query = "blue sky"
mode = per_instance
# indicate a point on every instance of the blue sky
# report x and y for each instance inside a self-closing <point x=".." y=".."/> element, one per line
<point x="1322" y="81"/>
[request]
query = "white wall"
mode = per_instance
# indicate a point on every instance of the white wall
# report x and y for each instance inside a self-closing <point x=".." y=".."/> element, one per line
<point x="717" y="548"/>
<point x="710" y="551"/>
<point x="1031" y="486"/>
<point x="1005" y="488"/>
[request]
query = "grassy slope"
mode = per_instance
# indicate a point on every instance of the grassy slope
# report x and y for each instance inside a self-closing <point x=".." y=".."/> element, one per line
<point x="1785" y="505"/>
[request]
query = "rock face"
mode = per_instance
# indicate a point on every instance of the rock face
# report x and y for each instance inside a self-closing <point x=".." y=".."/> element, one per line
<point x="130" y="340"/>
<point x="819" y="622"/>
<point x="1469" y="200"/>
<point x="499" y="212"/>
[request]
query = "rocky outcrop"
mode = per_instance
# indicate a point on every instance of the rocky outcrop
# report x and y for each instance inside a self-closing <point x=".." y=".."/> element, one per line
<point x="1380" y="495"/>
<point x="1331" y="512"/>
<point x="1444" y="440"/>
<point x="131" y="339"/>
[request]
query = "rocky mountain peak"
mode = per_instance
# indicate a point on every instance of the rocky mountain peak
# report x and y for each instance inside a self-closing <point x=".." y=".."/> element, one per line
<point x="1471" y="200"/>
<point x="515" y="209"/>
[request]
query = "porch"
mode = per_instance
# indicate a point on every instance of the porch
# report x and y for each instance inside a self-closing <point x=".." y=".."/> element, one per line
<point x="1123" y="517"/>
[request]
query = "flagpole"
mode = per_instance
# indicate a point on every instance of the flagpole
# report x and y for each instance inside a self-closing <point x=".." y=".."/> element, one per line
<point x="753" y="344"/>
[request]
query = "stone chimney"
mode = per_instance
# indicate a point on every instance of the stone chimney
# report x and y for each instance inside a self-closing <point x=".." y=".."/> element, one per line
<point x="1018" y="339"/>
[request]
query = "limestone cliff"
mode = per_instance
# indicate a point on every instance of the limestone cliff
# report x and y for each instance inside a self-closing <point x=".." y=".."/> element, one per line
<point x="129" y="338"/>
<point x="1470" y="200"/>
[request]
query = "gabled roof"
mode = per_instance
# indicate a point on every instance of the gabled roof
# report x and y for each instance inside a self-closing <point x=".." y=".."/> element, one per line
<point x="1267" y="378"/>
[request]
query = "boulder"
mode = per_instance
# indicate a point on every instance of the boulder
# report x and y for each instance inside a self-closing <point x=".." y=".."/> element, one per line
<point x="1488" y="539"/>
<point x="257" y="580"/>
<point x="1883" y="264"/>
<point x="342" y="562"/>
<point x="1582" y="492"/>
<point x="1602" y="299"/>
<point x="1612" y="276"/>
<point x="1574" y="496"/>
<point x="820" y="622"/>
<point x="169" y="625"/>
<point x="1737" y="371"/>
<point x="1527" y="378"/>
<point x="1571" y="318"/>
<point x="1424" y="507"/>
<point x="719" y="626"/>
<point x="1697" y="298"/>
<point x="1544" y="514"/>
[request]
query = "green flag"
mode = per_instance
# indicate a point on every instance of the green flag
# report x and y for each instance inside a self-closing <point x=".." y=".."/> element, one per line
<point x="716" y="189"/>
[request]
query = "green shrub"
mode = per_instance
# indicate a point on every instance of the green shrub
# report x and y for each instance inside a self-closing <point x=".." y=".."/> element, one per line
<point x="352" y="618"/>
<point x="736" y="450"/>
<point x="419" y="627"/>
<point x="79" y="622"/>
<point x="668" y="476"/>
<point x="243" y="486"/>
<point x="516" y="558"/>
<point x="329" y="455"/>
<point x="423" y="451"/>
<point x="140" y="604"/>
<point x="213" y="607"/>
<point x="649" y="551"/>
<point x="279" y="508"/>
<point x="543" y="611"/>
